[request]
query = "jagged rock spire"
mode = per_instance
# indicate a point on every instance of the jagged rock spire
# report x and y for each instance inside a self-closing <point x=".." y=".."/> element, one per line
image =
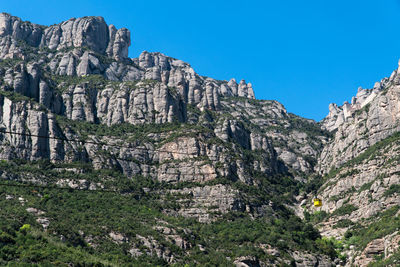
<point x="90" y="32"/>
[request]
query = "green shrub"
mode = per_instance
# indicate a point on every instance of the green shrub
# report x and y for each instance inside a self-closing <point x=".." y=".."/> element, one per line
<point x="316" y="217"/>
<point x="349" y="173"/>
<point x="25" y="228"/>
<point x="344" y="210"/>
<point x="393" y="189"/>
<point x="343" y="223"/>
<point x="384" y="223"/>
<point x="327" y="246"/>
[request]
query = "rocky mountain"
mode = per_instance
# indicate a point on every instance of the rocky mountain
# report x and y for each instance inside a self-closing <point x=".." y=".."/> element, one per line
<point x="108" y="160"/>
<point x="360" y="175"/>
<point x="58" y="80"/>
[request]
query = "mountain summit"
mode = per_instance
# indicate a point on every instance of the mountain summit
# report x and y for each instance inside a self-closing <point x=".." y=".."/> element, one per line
<point x="90" y="32"/>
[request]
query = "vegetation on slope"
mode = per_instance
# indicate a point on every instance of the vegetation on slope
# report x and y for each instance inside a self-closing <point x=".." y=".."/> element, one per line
<point x="80" y="217"/>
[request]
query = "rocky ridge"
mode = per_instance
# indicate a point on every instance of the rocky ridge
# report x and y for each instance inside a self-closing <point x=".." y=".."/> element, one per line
<point x="372" y="116"/>
<point x="74" y="104"/>
<point x="359" y="175"/>
<point x="69" y="79"/>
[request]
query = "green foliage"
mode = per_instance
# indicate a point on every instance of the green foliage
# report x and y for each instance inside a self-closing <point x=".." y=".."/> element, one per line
<point x="364" y="109"/>
<point x="315" y="217"/>
<point x="236" y="234"/>
<point x="64" y="81"/>
<point x="342" y="195"/>
<point x="25" y="228"/>
<point x="327" y="246"/>
<point x="393" y="260"/>
<point x="311" y="128"/>
<point x="332" y="173"/>
<point x="132" y="133"/>
<point x="78" y="216"/>
<point x="349" y="173"/>
<point x="14" y="96"/>
<point x="344" y="210"/>
<point x="383" y="224"/>
<point x="18" y="249"/>
<point x="393" y="189"/>
<point x="9" y="62"/>
<point x="372" y="151"/>
<point x="278" y="189"/>
<point x="94" y="213"/>
<point x="132" y="213"/>
<point x="314" y="184"/>
<point x="366" y="186"/>
<point x="343" y="223"/>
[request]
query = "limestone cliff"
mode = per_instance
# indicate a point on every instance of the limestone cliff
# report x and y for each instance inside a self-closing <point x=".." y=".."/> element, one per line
<point x="206" y="148"/>
<point x="359" y="173"/>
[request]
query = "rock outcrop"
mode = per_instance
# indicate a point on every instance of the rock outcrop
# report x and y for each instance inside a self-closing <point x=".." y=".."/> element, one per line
<point x="372" y="116"/>
<point x="87" y="32"/>
<point x="70" y="93"/>
<point x="360" y="174"/>
<point x="79" y="70"/>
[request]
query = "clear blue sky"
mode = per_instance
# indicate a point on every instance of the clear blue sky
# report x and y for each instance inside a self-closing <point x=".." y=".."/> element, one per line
<point x="305" y="54"/>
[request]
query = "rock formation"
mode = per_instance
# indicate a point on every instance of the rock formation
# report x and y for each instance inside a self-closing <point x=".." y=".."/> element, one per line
<point x="206" y="151"/>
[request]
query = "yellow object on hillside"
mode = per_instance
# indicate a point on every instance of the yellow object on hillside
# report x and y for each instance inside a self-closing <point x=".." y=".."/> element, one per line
<point x="317" y="202"/>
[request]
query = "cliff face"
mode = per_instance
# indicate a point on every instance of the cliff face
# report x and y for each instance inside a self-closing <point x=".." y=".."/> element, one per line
<point x="197" y="148"/>
<point x="360" y="176"/>
<point x="76" y="112"/>
<point x="90" y="32"/>
<point x="372" y="116"/>
<point x="79" y="70"/>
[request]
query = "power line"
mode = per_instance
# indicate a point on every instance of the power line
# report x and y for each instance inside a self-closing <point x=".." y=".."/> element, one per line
<point x="135" y="160"/>
<point x="95" y="143"/>
<point x="132" y="159"/>
<point x="32" y="185"/>
<point x="150" y="173"/>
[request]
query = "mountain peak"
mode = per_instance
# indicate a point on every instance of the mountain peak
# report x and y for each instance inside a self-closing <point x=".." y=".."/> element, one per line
<point x="91" y="32"/>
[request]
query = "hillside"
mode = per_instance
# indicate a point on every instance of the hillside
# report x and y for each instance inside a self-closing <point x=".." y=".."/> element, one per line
<point x="142" y="160"/>
<point x="107" y="160"/>
<point x="360" y="175"/>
